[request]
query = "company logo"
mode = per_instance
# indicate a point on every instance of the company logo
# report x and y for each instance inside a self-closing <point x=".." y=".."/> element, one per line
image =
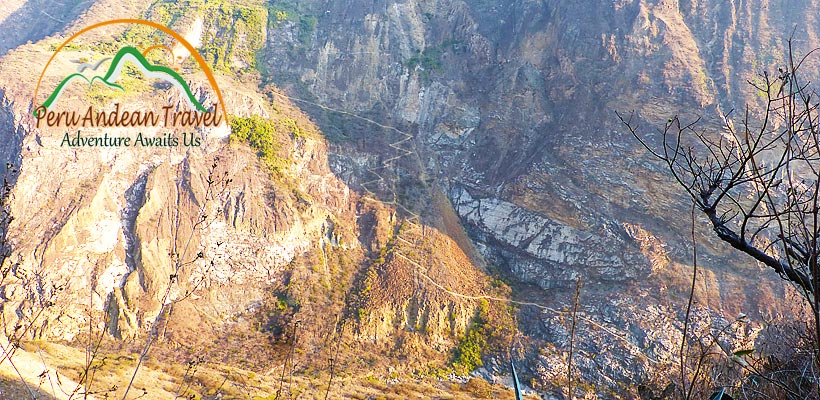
<point x="107" y="75"/>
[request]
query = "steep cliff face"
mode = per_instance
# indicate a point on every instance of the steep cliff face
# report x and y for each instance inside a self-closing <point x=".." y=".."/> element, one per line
<point x="105" y="230"/>
<point x="453" y="141"/>
<point x="112" y="225"/>
<point x="10" y="149"/>
<point x="215" y="250"/>
<point x="511" y="108"/>
<point x="499" y="91"/>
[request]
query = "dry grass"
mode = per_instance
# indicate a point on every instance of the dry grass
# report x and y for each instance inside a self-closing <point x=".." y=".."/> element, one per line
<point x="160" y="381"/>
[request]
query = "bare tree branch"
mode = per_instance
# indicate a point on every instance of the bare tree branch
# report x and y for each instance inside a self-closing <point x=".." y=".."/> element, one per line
<point x="757" y="180"/>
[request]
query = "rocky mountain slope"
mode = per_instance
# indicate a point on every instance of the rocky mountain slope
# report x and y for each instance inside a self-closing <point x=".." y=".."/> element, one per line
<point x="216" y="252"/>
<point x="444" y="173"/>
<point x="512" y="108"/>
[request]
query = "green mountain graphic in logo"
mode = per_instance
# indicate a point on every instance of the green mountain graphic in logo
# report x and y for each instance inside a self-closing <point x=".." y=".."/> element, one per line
<point x="115" y="69"/>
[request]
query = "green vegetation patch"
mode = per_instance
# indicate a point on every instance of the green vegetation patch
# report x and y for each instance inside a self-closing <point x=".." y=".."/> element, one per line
<point x="233" y="34"/>
<point x="472" y="345"/>
<point x="261" y="135"/>
<point x="282" y="11"/>
<point x="429" y="60"/>
<point x="491" y="332"/>
<point x="232" y="31"/>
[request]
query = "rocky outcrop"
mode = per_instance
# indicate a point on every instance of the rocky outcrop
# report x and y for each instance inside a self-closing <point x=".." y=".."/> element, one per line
<point x="510" y="105"/>
<point x="132" y="230"/>
<point x="12" y="132"/>
<point x="547" y="252"/>
<point x="504" y="106"/>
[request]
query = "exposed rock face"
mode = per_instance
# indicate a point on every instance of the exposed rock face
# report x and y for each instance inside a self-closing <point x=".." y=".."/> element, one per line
<point x="511" y="107"/>
<point x="118" y="224"/>
<point x="507" y="107"/>
<point x="189" y="245"/>
<point x="548" y="252"/>
<point x="13" y="133"/>
<point x="104" y="230"/>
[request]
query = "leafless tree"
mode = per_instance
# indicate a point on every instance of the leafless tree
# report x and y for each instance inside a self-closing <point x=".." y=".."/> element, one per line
<point x="757" y="180"/>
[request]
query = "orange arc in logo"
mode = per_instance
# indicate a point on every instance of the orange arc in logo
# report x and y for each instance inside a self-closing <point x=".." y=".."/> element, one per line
<point x="178" y="37"/>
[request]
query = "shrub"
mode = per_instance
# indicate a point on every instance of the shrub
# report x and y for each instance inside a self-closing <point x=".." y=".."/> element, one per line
<point x="260" y="134"/>
<point x="479" y="387"/>
<point x="468" y="353"/>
